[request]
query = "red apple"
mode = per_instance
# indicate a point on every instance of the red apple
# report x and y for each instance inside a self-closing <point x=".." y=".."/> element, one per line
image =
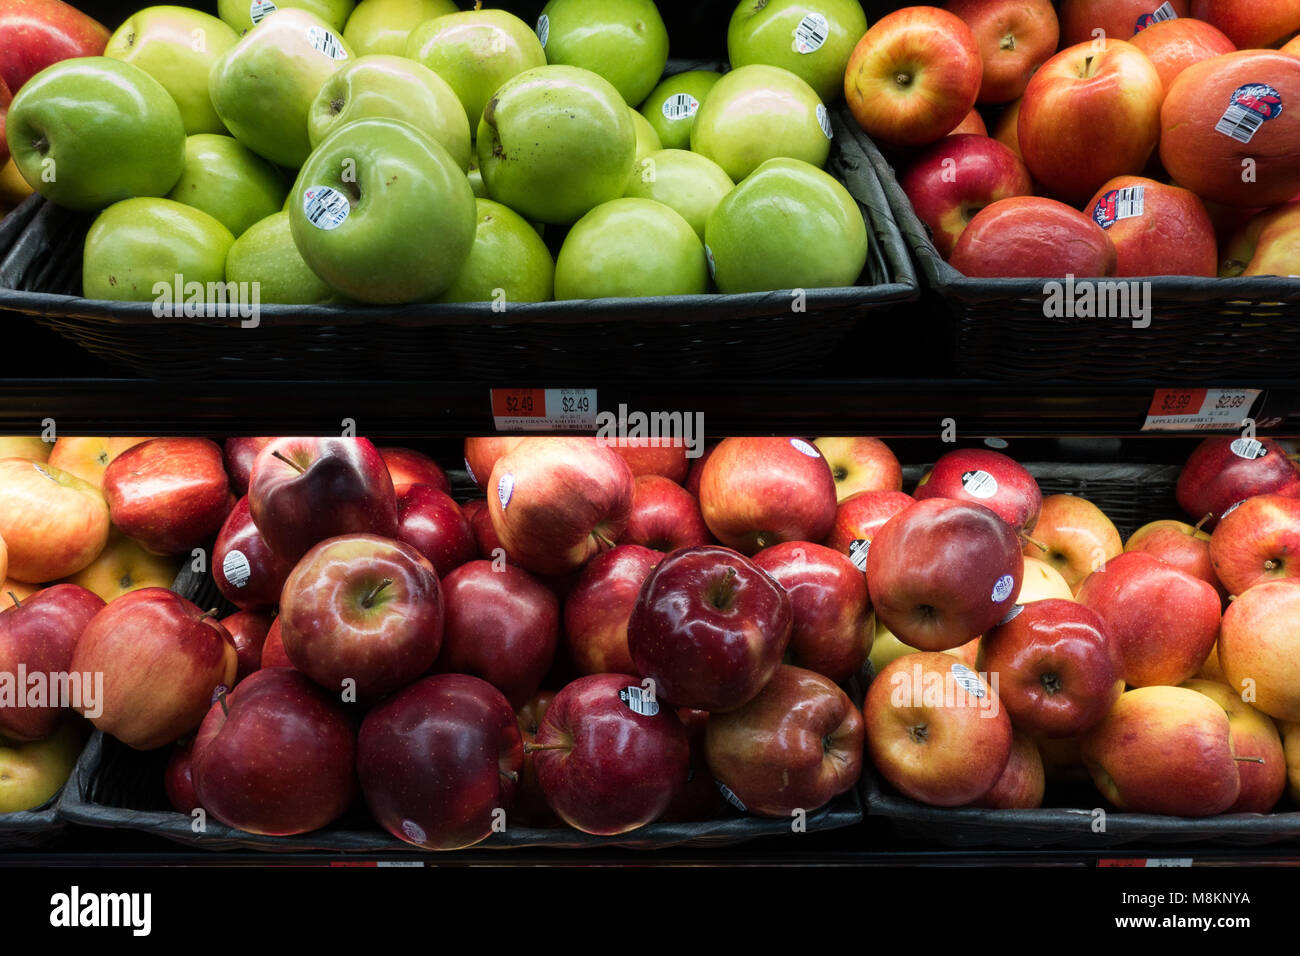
<point x="1077" y="536"/>
<point x="406" y="466"/>
<point x="1015" y="38"/>
<point x="481" y="455"/>
<point x="37" y="33"/>
<point x="1225" y="471"/>
<point x="240" y="453"/>
<point x="1259" y="648"/>
<point x="1022" y="783"/>
<point x="169" y="494"/>
<point x="1256" y="745"/>
<point x="697" y="470"/>
<point x="88" y="457"/>
<point x="987" y="478"/>
<point x="1253" y="25"/>
<point x="973" y="123"/>
<point x="178" y="778"/>
<point x="1179" y="544"/>
<point x="665" y="516"/>
<point x="647" y="456"/>
<point x="1257" y="541"/>
<point x="248" y="630"/>
<point x="597" y="610"/>
<point x="699" y="799"/>
<point x="1031" y="236"/>
<point x="273" y="654"/>
<point x="1156" y="229"/>
<point x="860" y="464"/>
<point x="860" y="516"/>
<point x="247" y="572"/>
<point x="485" y="535"/>
<point x="53" y="523"/>
<point x="1174" y="45"/>
<point x="1080" y="19"/>
<point x="430" y="521"/>
<point x="530" y="808"/>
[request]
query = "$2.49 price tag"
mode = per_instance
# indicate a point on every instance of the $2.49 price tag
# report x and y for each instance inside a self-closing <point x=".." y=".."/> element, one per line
<point x="1199" y="409"/>
<point x="544" y="409"/>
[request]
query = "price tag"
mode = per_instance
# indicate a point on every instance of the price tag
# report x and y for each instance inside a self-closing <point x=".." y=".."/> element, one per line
<point x="1199" y="409"/>
<point x="544" y="409"/>
<point x="1149" y="862"/>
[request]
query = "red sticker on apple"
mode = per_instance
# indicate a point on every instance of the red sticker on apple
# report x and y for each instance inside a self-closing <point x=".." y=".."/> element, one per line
<point x="1118" y="204"/>
<point x="1249" y="108"/>
<point x="1160" y="14"/>
<point x="505" y="488"/>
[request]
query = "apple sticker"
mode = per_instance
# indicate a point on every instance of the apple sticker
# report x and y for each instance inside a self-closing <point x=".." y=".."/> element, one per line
<point x="325" y="42"/>
<point x="1012" y="614"/>
<point x="803" y="447"/>
<point x="1248" y="448"/>
<point x="824" y="121"/>
<point x="1002" y="589"/>
<point x="730" y="796"/>
<point x="543" y="29"/>
<point x="858" y="551"/>
<point x="326" y="208"/>
<point x="639" y="702"/>
<point x="413" y="831"/>
<point x="259" y="9"/>
<point x="505" y="488"/>
<point x="968" y="680"/>
<point x="680" y="106"/>
<point x="236" y="568"/>
<point x="979" y="484"/>
<point x="470" y="471"/>
<point x="810" y="33"/>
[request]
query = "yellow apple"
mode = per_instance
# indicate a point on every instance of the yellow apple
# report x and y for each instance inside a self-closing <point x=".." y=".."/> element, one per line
<point x="32" y="773"/>
<point x="53" y="522"/>
<point x="30" y="447"/>
<point x="1077" y="535"/>
<point x="124" y="566"/>
<point x="87" y="458"/>
<point x="1257" y="746"/>
<point x="1291" y="750"/>
<point x="1042" y="582"/>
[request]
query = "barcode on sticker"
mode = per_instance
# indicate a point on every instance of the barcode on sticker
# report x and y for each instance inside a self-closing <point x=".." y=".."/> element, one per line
<point x="730" y="796"/>
<point x="1160" y="14"/>
<point x="1117" y="204"/>
<point x="858" y="551"/>
<point x="980" y="484"/>
<point x="236" y="568"/>
<point x="1249" y="108"/>
<point x="810" y="34"/>
<point x="258" y="10"/>
<point x="1248" y="448"/>
<point x="326" y="42"/>
<point x="968" y="680"/>
<point x="638" y="701"/>
<point x="543" y="29"/>
<point x="325" y="208"/>
<point x="680" y="106"/>
<point x="824" y="121"/>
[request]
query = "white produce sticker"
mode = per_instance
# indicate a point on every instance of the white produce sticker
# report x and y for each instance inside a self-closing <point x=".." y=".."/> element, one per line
<point x="804" y="448"/>
<point x="325" y="207"/>
<point x="1248" y="448"/>
<point x="824" y="121"/>
<point x="236" y="568"/>
<point x="1002" y="588"/>
<point x="1232" y="509"/>
<point x="413" y="831"/>
<point x="1012" y="614"/>
<point x="543" y="29"/>
<point x="680" y="106"/>
<point x="325" y="42"/>
<point x="859" y="548"/>
<point x="470" y="471"/>
<point x="259" y="9"/>
<point x="810" y="34"/>
<point x="980" y="484"/>
<point x="968" y="680"/>
<point x="638" y="701"/>
<point x="505" y="488"/>
<point x="730" y="796"/>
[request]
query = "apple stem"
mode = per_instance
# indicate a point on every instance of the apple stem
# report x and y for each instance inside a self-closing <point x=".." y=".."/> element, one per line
<point x="369" y="599"/>
<point x="211" y="612"/>
<point x="1199" y="524"/>
<point x="14" y="597"/>
<point x="293" y="464"/>
<point x="1249" y="759"/>
<point x="532" y="748"/>
<point x="1037" y="544"/>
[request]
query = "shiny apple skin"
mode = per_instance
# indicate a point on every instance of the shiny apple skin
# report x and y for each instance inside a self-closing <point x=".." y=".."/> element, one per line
<point x="240" y="453"/>
<point x="597" y="610"/>
<point x="406" y="466"/>
<point x="266" y="571"/>
<point x="431" y="522"/>
<point x="1214" y="478"/>
<point x="665" y="516"/>
<point x="1017" y="499"/>
<point x="860" y="516"/>
<point x="169" y="494"/>
<point x="248" y="629"/>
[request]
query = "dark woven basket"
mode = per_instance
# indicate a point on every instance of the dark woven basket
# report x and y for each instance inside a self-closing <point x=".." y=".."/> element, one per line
<point x="40" y="275"/>
<point x="1201" y="330"/>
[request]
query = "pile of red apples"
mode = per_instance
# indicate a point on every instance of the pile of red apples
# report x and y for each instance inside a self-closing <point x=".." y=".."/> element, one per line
<point x="1129" y="137"/>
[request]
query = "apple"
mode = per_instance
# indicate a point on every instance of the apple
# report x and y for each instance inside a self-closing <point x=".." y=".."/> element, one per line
<point x="859" y="517"/>
<point x="608" y="760"/>
<point x="304" y="490"/>
<point x="431" y="522"/>
<point x="709" y="628"/>
<point x="860" y="464"/>
<point x="1225" y="471"/>
<point x="362" y="612"/>
<point x="31" y="447"/>
<point x="700" y="799"/>
<point x="87" y="458"/>
<point x="243" y="15"/>
<point x="178" y="779"/>
<point x="1022" y="783"/>
<point x="1250" y="25"/>
<point x="1156" y="229"/>
<point x="557" y="502"/>
<point x="248" y="630"/>
<point x="1082" y="19"/>
<point x="246" y="571"/>
<point x="17" y="590"/>
<point x="273" y="653"/>
<point x="1163" y="620"/>
<point x="813" y="40"/>
<point x="987" y="478"/>
<point x="161" y="658"/>
<point x="1257" y="648"/>
<point x="35" y="34"/>
<point x="688" y="183"/>
<point x="913" y="76"/>
<point x="597" y="610"/>
<point x="1179" y="544"/>
<point x="941" y="572"/>
<point x="832" y="626"/>
<point x="647" y="140"/>
<point x="481" y="455"/>
<point x="1164" y="750"/>
<point x="266" y="254"/>
<point x="382" y="26"/>
<point x="124" y="566"/>
<point x="1224" y="133"/>
<point x="1007" y="128"/>
<point x="1015" y="38"/>
<point x="665" y="517"/>
<point x="529" y="807"/>
<point x="229" y="182"/>
<point x="509" y="261"/>
<point x="625" y="41"/>
<point x="32" y="773"/>
<point x="38" y="637"/>
<point x="1257" y="542"/>
<point x="1174" y="45"/>
<point x="1256" y="746"/>
<point x="1059" y="669"/>
<point x="275" y="756"/>
<point x="168" y="494"/>
<point x="1007" y="239"/>
<point x="239" y="454"/>
<point x="53" y="523"/>
<point x="177" y="47"/>
<point x="789" y="225"/>
<point x="263" y="86"/>
<point x="664" y="456"/>
<point x="1265" y="245"/>
<point x="973" y="123"/>
<point x="935" y="730"/>
<point x="6" y="97"/>
<point x="1074" y="536"/>
<point x="692" y="483"/>
<point x="756" y="113"/>
<point x="953" y="179"/>
<point x="65" y="120"/>
<point x="671" y="106"/>
<point x="630" y="248"/>
<point x="485" y="535"/>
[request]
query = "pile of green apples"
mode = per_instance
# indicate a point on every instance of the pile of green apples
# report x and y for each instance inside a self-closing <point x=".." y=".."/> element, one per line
<point x="398" y="151"/>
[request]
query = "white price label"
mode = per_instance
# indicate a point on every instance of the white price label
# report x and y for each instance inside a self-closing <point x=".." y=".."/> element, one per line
<point x="236" y="568"/>
<point x="824" y="121"/>
<point x="326" y="208"/>
<point x="259" y="9"/>
<point x="810" y="34"/>
<point x="544" y="409"/>
<point x="859" y="548"/>
<point x="680" y="106"/>
<point x="325" y="42"/>
<point x="1199" y="409"/>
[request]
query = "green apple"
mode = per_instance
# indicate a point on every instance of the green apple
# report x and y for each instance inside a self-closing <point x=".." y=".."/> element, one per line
<point x="686" y="182"/>
<point x="263" y="86"/>
<point x="136" y="243"/>
<point x="383" y="213"/>
<point x="509" y="262"/>
<point x="382" y="26"/>
<point x="243" y="15"/>
<point x="788" y="225"/>
<point x="811" y="38"/>
<point x="757" y="113"/>
<point x="392" y="87"/>
<point x="625" y="41"/>
<point x="672" y="105"/>
<point x="87" y="132"/>
<point x="265" y="254"/>
<point x="555" y="142"/>
<point x="177" y="47"/>
<point x="476" y="179"/>
<point x="229" y="182"/>
<point x="476" y="52"/>
<point x="32" y="773"/>
<point x="628" y="248"/>
<point x="647" y="140"/>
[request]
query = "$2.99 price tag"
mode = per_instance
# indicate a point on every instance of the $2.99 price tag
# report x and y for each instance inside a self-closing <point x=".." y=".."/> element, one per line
<point x="544" y="409"/>
<point x="1199" y="409"/>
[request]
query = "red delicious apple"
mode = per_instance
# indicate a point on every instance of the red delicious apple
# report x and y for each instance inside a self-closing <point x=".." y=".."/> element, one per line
<point x="597" y="610"/>
<point x="832" y="627"/>
<point x="987" y="478"/>
<point x="558" y="502"/>
<point x="700" y="799"/>
<point x="1256" y="746"/>
<point x="248" y="629"/>
<point x="1163" y="620"/>
<point x="500" y="625"/>
<point x="161" y="658"/>
<point x="1059" y="670"/>
<point x="276" y="756"/>
<point x="860" y="516"/>
<point x="697" y="470"/>
<point x="609" y="760"/>
<point x="942" y="572"/>
<point x="273" y="654"/>
<point x="1259" y="648"/>
<point x="304" y="490"/>
<point x="37" y="33"/>
<point x="53" y="523"/>
<point x="860" y="464"/>
<point x="1080" y="19"/>
<point x="1022" y="783"/>
<point x="665" y="516"/>
<point x="796" y="746"/>
<point x="1174" y="45"/>
<point x="1032" y="236"/>
<point x="645" y="457"/>
<point x="1223" y="471"/>
<point x="757" y="492"/>
<point x="240" y="453"/>
<point x="530" y="808"/>
<point x="485" y="535"/>
<point x="178" y="778"/>
<point x="1257" y="541"/>
<point x="430" y="521"/>
<point x="709" y="628"/>
<point x="168" y="494"/>
<point x="1253" y="25"/>
<point x="247" y="572"/>
<point x="1179" y="544"/>
<point x="1015" y="38"/>
<point x="406" y="466"/>
<point x="481" y="455"/>
<point x="38" y="638"/>
<point x="1156" y="229"/>
<point x="973" y="123"/>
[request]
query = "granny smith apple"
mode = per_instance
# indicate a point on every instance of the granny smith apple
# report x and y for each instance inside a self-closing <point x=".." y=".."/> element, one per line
<point x="383" y="213"/>
<point x="136" y="243"/>
<point x="647" y="140"/>
<point x="476" y="52"/>
<point x="229" y="182"/>
<point x="476" y="178"/>
<point x="684" y="181"/>
<point x="811" y="38"/>
<point x="265" y="254"/>
<point x="757" y="113"/>
<point x="32" y="773"/>
<point x="627" y="248"/>
<point x="788" y="225"/>
<point x="508" y="263"/>
<point x="263" y="86"/>
<point x="90" y="131"/>
<point x="625" y="41"/>
<point x="382" y="26"/>
<point x="554" y="142"/>
<point x="177" y="47"/>
<point x="672" y="105"/>
<point x="243" y="15"/>
<point x="392" y="87"/>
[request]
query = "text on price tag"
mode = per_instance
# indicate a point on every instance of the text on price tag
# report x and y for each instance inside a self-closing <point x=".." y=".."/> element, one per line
<point x="544" y="409"/>
<point x="1199" y="409"/>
